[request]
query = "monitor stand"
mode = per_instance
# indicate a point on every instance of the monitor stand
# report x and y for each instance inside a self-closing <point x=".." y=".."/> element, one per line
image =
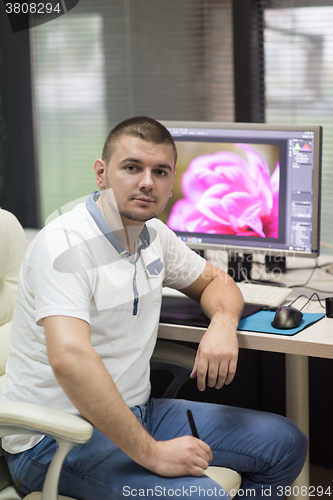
<point x="275" y="263"/>
<point x="239" y="267"/>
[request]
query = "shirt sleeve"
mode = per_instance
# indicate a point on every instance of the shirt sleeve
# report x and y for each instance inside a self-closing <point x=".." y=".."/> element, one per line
<point x="59" y="290"/>
<point x="182" y="265"/>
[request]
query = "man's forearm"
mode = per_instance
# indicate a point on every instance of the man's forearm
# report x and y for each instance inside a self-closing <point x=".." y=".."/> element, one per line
<point x="93" y="392"/>
<point x="217" y="355"/>
<point x="222" y="298"/>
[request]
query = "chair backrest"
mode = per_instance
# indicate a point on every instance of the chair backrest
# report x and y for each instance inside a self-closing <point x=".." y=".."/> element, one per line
<point x="13" y="245"/>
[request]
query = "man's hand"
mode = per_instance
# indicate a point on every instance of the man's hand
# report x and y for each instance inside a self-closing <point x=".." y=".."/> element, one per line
<point x="183" y="456"/>
<point x="216" y="358"/>
<point x="222" y="302"/>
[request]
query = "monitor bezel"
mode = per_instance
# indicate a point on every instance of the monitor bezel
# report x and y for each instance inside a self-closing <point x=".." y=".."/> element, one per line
<point x="316" y="185"/>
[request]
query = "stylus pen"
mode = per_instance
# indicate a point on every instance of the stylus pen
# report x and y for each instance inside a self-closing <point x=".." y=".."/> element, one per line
<point x="192" y="424"/>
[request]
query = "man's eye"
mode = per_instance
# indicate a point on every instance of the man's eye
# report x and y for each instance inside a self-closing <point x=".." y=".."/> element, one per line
<point x="161" y="172"/>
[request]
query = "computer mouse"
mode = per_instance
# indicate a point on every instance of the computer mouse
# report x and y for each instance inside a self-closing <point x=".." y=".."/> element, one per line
<point x="287" y="317"/>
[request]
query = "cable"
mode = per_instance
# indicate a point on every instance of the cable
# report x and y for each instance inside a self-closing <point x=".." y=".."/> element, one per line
<point x="298" y="268"/>
<point x="319" y="266"/>
<point x="317" y="289"/>
<point x="304" y="284"/>
<point x="275" y="283"/>
<point x="309" y="299"/>
<point x="259" y="282"/>
<point x="326" y="244"/>
<point x="244" y="275"/>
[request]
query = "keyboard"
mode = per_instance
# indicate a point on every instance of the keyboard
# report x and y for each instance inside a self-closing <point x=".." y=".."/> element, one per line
<point x="264" y="295"/>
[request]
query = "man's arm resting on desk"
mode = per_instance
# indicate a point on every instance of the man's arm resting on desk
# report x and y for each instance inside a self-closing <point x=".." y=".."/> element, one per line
<point x="222" y="302"/>
<point x="84" y="378"/>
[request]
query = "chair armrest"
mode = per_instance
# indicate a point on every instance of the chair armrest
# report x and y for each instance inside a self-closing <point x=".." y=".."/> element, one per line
<point x="67" y="429"/>
<point x="175" y="359"/>
<point x="27" y="418"/>
<point x="173" y="353"/>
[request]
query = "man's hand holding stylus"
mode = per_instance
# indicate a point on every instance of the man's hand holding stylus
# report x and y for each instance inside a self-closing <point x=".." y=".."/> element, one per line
<point x="192" y="457"/>
<point x="183" y="456"/>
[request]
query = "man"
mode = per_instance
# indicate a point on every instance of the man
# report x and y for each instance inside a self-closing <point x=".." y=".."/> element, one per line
<point x="85" y="327"/>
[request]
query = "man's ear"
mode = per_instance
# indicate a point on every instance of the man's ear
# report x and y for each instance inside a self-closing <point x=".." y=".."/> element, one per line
<point x="174" y="173"/>
<point x="100" y="173"/>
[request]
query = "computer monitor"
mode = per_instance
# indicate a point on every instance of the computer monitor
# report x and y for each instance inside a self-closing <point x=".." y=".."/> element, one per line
<point x="247" y="187"/>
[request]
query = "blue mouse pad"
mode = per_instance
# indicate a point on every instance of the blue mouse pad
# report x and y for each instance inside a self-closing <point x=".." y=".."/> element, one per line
<point x="261" y="322"/>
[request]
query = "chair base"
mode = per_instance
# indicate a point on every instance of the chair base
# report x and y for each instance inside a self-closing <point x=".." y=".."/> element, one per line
<point x="228" y="479"/>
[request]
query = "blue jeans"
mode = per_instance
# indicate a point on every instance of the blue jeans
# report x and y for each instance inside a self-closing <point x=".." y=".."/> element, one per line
<point x="268" y="450"/>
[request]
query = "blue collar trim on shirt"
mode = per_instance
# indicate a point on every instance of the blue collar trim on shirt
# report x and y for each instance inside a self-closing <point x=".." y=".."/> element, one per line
<point x="97" y="215"/>
<point x="144" y="237"/>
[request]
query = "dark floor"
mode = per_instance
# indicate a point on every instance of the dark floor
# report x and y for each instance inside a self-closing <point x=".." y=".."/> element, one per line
<point x="321" y="476"/>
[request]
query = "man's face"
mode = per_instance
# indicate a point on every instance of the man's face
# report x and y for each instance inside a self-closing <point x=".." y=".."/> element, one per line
<point x="141" y="176"/>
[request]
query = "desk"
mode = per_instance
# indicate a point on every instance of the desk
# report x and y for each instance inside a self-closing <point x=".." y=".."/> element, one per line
<point x="316" y="341"/>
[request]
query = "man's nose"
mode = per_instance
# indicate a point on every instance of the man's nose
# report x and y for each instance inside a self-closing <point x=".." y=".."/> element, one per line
<point x="146" y="181"/>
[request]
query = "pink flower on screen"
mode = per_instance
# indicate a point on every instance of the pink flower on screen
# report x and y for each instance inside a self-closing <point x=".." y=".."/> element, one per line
<point x="225" y="194"/>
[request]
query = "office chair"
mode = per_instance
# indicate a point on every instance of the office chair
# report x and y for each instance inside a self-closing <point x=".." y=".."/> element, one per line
<point x="23" y="418"/>
<point x="178" y="360"/>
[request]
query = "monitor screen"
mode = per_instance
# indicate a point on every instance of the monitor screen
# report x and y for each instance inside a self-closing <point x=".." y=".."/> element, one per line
<point x="247" y="187"/>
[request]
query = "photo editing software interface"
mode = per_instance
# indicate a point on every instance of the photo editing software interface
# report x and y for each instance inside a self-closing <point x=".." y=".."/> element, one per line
<point x="247" y="187"/>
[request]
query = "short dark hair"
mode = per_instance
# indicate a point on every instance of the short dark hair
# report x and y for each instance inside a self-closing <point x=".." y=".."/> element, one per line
<point x="144" y="128"/>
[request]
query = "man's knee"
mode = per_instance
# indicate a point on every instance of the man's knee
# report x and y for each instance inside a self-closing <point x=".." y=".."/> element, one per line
<point x="282" y="440"/>
<point x="293" y="446"/>
<point x="300" y="443"/>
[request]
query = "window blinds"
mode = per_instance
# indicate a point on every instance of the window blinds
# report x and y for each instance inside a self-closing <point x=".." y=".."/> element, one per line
<point x="299" y="79"/>
<point x="106" y="61"/>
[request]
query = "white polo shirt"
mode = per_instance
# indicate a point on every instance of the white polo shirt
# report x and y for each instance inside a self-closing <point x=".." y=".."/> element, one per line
<point x="76" y="267"/>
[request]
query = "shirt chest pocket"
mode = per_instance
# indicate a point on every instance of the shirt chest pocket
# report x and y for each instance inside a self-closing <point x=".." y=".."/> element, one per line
<point x="155" y="276"/>
<point x="155" y="268"/>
